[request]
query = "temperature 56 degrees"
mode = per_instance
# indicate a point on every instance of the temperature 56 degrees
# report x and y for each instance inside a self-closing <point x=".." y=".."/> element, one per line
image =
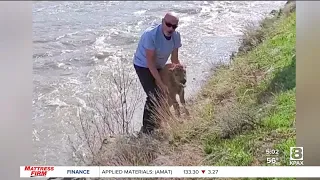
<point x="272" y="160"/>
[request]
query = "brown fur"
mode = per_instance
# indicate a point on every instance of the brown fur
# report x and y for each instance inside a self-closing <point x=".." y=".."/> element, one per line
<point x="174" y="77"/>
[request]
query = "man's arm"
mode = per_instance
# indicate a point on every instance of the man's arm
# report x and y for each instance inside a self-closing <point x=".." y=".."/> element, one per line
<point x="152" y="67"/>
<point x="150" y="55"/>
<point x="175" y="57"/>
<point x="175" y="52"/>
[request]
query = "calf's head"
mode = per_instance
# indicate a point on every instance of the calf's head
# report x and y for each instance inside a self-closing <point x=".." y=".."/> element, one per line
<point x="179" y="74"/>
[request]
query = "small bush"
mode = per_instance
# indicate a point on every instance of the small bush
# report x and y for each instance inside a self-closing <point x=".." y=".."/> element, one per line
<point x="234" y="119"/>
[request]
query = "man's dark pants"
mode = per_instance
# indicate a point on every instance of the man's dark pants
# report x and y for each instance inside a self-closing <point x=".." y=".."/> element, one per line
<point x="150" y="87"/>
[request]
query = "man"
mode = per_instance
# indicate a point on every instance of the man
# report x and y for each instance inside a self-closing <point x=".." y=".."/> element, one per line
<point x="157" y="43"/>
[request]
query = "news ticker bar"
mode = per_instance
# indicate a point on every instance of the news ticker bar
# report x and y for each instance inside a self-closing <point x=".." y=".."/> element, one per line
<point x="169" y="171"/>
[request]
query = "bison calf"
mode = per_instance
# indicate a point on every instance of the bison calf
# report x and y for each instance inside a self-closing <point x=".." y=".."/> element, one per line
<point x="174" y="77"/>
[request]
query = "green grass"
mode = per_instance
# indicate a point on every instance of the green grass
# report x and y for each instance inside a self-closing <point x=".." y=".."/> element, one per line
<point x="284" y="148"/>
<point x="283" y="114"/>
<point x="263" y="78"/>
<point x="229" y="153"/>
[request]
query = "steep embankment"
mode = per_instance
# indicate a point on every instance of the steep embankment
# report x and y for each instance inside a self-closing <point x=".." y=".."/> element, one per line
<point x="246" y="107"/>
<point x="253" y="100"/>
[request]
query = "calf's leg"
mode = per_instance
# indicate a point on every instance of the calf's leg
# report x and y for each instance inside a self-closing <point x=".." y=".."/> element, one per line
<point x="175" y="104"/>
<point x="183" y="102"/>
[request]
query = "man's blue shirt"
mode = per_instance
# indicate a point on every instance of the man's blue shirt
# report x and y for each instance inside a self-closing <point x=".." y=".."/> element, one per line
<point x="153" y="39"/>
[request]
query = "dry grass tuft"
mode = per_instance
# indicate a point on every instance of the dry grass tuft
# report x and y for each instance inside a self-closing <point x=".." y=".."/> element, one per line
<point x="289" y="8"/>
<point x="148" y="149"/>
<point x="184" y="155"/>
<point x="233" y="119"/>
<point x="130" y="151"/>
<point x="167" y="123"/>
<point x="252" y="36"/>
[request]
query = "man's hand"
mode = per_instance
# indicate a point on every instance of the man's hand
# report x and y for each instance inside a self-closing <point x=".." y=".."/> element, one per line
<point x="163" y="88"/>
